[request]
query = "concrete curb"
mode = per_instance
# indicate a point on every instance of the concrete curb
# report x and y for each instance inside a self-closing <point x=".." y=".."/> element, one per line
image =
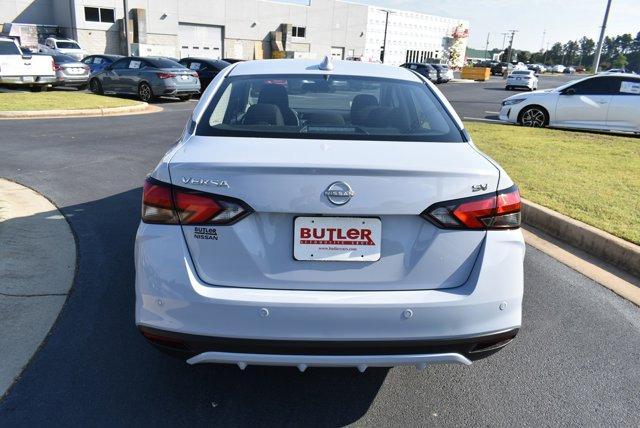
<point x="37" y="267"/>
<point x="140" y="108"/>
<point x="603" y="245"/>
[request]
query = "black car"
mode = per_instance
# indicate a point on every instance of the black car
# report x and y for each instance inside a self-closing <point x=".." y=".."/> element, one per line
<point x="501" y="68"/>
<point x="427" y="70"/>
<point x="206" y="68"/>
<point x="232" y="60"/>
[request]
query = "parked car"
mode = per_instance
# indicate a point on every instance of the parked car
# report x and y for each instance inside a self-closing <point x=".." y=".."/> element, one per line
<point x="232" y="60"/>
<point x="70" y="72"/>
<point x="280" y="230"/>
<point x="57" y="46"/>
<point x="558" y="68"/>
<point x="537" y="68"/>
<point x="569" y="70"/>
<point x="18" y="68"/>
<point x="501" y="69"/>
<point x="206" y="68"/>
<point x="97" y="63"/>
<point x="146" y="77"/>
<point x="444" y="72"/>
<point x="522" y="79"/>
<point x="427" y="70"/>
<point x="601" y="102"/>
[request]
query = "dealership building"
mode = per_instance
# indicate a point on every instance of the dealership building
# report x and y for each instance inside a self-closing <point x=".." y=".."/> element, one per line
<point x="245" y="29"/>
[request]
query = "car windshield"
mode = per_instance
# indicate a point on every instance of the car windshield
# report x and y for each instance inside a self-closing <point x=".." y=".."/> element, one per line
<point x="8" y="48"/>
<point x="327" y="107"/>
<point x="163" y="63"/>
<point x="67" y="45"/>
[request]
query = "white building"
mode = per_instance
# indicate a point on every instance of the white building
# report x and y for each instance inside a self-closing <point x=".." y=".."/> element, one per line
<point x="243" y="29"/>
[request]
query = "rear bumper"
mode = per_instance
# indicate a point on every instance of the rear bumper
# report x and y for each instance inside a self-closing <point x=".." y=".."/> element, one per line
<point x="72" y="80"/>
<point x="173" y="90"/>
<point x="205" y="349"/>
<point x="19" y="80"/>
<point x="171" y="300"/>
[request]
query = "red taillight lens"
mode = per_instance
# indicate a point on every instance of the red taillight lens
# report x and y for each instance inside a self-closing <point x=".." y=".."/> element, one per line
<point x="165" y="75"/>
<point x="499" y="210"/>
<point x="157" y="203"/>
<point x="163" y="203"/>
<point x="54" y="66"/>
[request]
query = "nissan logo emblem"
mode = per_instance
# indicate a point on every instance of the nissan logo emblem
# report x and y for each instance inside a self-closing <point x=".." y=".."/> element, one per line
<point x="339" y="193"/>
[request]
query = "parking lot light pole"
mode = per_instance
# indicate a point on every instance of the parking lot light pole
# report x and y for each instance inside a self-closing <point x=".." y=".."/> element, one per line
<point x="384" y="40"/>
<point x="596" y="57"/>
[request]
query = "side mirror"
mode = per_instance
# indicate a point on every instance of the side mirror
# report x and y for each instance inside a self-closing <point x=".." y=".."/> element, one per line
<point x="569" y="91"/>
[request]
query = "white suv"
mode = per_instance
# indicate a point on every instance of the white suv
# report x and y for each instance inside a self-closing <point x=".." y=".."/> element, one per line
<point x="55" y="46"/>
<point x="328" y="215"/>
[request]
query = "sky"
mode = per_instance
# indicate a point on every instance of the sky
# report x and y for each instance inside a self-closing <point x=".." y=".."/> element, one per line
<point x="562" y="20"/>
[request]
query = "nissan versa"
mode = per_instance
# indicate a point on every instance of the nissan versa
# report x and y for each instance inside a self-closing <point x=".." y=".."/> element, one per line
<point x="327" y="214"/>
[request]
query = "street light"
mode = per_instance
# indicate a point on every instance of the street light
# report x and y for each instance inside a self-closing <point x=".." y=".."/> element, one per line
<point x="384" y="40"/>
<point x="596" y="57"/>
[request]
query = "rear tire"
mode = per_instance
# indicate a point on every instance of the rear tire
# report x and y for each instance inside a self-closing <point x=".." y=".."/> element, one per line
<point x="37" y="88"/>
<point x="507" y="88"/>
<point x="96" y="87"/>
<point x="534" y="117"/>
<point x="82" y="87"/>
<point x="184" y="97"/>
<point x="145" y="93"/>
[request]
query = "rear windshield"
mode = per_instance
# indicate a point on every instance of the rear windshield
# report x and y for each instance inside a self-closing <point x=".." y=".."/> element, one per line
<point x="327" y="107"/>
<point x="60" y="59"/>
<point x="521" y="72"/>
<point x="163" y="63"/>
<point x="8" y="48"/>
<point x="67" y="45"/>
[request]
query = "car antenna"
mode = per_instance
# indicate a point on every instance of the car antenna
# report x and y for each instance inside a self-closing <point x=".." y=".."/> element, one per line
<point x="326" y="64"/>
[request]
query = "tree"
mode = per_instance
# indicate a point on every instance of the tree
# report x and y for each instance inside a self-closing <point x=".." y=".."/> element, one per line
<point x="624" y="43"/>
<point x="587" y="47"/>
<point x="524" y="56"/>
<point x="570" y="50"/>
<point x="555" y="53"/>
<point x="620" y="61"/>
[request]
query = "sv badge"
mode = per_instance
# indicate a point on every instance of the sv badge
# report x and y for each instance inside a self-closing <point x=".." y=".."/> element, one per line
<point x="479" y="187"/>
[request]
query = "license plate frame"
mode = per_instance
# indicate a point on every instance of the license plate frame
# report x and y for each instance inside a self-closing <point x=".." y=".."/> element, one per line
<point x="352" y="239"/>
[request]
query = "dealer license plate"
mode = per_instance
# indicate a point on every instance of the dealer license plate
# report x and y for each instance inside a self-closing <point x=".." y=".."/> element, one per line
<point x="27" y="78"/>
<point x="347" y="239"/>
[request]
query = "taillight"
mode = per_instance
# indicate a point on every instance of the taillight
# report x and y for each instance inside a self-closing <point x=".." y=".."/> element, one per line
<point x="54" y="65"/>
<point x="165" y="75"/>
<point x="195" y="74"/>
<point x="167" y="204"/>
<point x="499" y="210"/>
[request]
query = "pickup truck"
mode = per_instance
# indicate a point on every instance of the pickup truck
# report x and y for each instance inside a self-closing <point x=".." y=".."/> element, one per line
<point x="18" y="68"/>
<point x="56" y="46"/>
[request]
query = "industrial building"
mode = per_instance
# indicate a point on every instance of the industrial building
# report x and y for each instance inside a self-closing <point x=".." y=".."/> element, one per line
<point x="246" y="29"/>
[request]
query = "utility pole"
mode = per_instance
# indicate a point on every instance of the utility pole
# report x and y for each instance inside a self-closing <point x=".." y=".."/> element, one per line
<point x="384" y="40"/>
<point x="596" y="57"/>
<point x="544" y="33"/>
<point x="125" y="22"/>
<point x="504" y="39"/>
<point x="486" y="48"/>
<point x="510" y="49"/>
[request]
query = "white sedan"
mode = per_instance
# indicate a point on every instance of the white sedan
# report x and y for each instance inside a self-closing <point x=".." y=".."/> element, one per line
<point x="602" y="102"/>
<point x="356" y="227"/>
<point x="522" y="79"/>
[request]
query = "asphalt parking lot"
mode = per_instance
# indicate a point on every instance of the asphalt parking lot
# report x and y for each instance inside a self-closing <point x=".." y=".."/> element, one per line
<point x="481" y="100"/>
<point x="575" y="361"/>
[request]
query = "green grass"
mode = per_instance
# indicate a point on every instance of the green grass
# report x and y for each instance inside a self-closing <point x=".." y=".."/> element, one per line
<point x="593" y="178"/>
<point x="30" y="101"/>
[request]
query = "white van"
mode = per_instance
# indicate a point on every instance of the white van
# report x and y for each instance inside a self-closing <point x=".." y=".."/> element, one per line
<point x="56" y="46"/>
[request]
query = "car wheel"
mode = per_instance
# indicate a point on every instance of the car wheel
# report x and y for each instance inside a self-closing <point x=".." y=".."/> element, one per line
<point x="535" y="117"/>
<point x="37" y="88"/>
<point x="507" y="88"/>
<point x="184" y="97"/>
<point x="95" y="86"/>
<point x="144" y="92"/>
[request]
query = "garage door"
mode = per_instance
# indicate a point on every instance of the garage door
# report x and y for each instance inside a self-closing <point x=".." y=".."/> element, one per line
<point x="202" y="41"/>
